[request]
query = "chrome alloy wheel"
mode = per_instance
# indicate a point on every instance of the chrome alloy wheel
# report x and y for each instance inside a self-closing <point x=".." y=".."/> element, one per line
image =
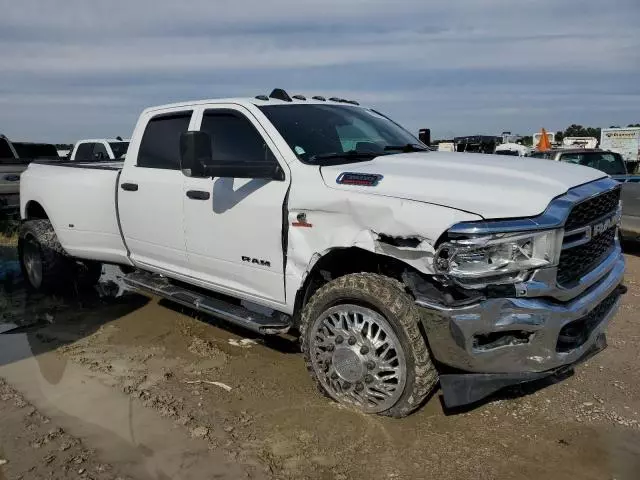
<point x="358" y="357"/>
<point x="32" y="258"/>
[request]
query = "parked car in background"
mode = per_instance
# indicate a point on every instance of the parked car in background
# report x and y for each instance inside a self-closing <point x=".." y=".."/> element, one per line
<point x="14" y="158"/>
<point x="613" y="164"/>
<point x="610" y="163"/>
<point x="630" y="223"/>
<point x="100" y="149"/>
<point x="401" y="268"/>
<point x="513" y="149"/>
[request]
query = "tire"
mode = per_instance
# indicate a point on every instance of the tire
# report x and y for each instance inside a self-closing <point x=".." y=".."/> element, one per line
<point x="46" y="266"/>
<point x="88" y="273"/>
<point x="363" y="347"/>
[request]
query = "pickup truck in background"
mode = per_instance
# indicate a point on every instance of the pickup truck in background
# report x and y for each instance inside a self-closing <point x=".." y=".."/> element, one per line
<point x="99" y="150"/>
<point x="400" y="268"/>
<point x="14" y="158"/>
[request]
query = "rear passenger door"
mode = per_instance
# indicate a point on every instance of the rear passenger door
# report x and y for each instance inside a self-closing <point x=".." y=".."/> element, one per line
<point x="150" y="195"/>
<point x="234" y="226"/>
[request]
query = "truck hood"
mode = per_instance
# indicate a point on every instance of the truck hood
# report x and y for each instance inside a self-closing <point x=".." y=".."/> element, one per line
<point x="491" y="186"/>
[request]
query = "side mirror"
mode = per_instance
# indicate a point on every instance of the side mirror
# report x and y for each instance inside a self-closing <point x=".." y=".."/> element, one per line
<point x="196" y="161"/>
<point x="99" y="156"/>
<point x="195" y="153"/>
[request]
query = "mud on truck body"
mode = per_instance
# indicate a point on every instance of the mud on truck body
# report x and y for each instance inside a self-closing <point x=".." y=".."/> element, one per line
<point x="400" y="268"/>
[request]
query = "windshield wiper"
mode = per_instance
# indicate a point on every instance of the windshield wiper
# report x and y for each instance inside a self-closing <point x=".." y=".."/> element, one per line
<point x="351" y="154"/>
<point x="409" y="147"/>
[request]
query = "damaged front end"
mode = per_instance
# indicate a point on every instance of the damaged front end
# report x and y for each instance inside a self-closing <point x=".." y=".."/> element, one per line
<point x="539" y="295"/>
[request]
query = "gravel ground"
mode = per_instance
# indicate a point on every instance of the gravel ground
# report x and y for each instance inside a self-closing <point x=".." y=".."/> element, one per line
<point x="251" y="402"/>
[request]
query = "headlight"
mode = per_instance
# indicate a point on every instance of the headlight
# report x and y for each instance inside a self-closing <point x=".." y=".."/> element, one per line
<point x="498" y="258"/>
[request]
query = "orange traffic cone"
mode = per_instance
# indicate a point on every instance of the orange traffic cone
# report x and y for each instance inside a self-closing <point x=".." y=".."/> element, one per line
<point x="543" y="144"/>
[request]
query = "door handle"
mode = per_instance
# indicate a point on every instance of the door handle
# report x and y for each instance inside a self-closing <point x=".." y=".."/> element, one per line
<point x="198" y="195"/>
<point x="129" y="187"/>
<point x="12" y="178"/>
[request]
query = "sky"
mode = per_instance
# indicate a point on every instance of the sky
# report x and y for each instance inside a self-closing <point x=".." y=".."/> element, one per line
<point x="84" y="68"/>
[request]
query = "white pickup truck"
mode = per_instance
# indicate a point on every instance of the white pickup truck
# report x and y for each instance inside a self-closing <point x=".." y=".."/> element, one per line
<point x="99" y="149"/>
<point x="399" y="267"/>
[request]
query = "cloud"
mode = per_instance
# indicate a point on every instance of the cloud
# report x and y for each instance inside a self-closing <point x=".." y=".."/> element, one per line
<point x="459" y="67"/>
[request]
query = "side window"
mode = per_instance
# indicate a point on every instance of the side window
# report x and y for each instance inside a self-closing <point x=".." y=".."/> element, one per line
<point x="6" y="155"/>
<point x="160" y="145"/>
<point x="84" y="152"/>
<point x="571" y="158"/>
<point x="100" y="152"/>
<point x="234" y="138"/>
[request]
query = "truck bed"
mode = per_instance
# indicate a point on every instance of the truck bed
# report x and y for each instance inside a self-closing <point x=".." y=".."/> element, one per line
<point x="80" y="200"/>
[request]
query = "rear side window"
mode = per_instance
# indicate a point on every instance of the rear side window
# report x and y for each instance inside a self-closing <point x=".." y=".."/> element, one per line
<point x="84" y="152"/>
<point x="100" y="152"/>
<point x="234" y="138"/>
<point x="160" y="145"/>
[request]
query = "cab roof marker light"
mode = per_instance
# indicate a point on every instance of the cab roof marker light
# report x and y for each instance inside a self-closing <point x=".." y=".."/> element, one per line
<point x="318" y="97"/>
<point x="262" y="97"/>
<point x="280" y="94"/>
<point x="299" y="97"/>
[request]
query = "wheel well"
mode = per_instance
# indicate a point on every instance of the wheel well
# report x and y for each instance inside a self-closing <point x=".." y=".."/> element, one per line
<point x="35" y="211"/>
<point x="343" y="261"/>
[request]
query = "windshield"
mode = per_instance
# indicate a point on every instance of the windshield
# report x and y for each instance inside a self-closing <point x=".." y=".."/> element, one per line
<point x="607" y="162"/>
<point x="341" y="133"/>
<point x="119" y="148"/>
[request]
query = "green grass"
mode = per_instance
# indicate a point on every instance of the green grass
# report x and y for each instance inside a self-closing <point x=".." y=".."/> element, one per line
<point x="8" y="230"/>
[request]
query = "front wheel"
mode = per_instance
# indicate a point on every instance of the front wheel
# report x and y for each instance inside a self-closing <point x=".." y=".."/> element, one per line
<point x="362" y="344"/>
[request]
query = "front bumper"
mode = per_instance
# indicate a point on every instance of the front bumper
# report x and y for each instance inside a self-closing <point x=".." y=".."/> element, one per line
<point x="524" y="335"/>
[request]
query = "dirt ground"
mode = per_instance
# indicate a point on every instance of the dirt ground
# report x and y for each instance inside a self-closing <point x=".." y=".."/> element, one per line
<point x="144" y="389"/>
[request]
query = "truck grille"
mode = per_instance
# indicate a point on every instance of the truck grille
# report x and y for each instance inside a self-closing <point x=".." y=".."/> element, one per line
<point x="576" y="333"/>
<point x="578" y="261"/>
<point x="592" y="209"/>
<point x="575" y="262"/>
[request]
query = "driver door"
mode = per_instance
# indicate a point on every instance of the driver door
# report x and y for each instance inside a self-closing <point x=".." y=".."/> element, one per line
<point x="234" y="226"/>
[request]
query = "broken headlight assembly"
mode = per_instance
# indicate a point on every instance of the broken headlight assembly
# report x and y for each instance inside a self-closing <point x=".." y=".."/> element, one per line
<point x="499" y="258"/>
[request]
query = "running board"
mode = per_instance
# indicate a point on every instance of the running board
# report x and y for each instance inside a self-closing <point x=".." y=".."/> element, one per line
<point x="236" y="314"/>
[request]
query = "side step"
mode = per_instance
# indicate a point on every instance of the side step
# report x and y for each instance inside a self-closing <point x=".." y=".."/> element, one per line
<point x="236" y="314"/>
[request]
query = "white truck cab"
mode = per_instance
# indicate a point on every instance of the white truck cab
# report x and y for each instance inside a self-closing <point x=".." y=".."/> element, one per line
<point x="398" y="266"/>
<point x="99" y="149"/>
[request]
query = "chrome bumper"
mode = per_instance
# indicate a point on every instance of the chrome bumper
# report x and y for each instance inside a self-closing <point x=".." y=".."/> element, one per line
<point x="536" y="323"/>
